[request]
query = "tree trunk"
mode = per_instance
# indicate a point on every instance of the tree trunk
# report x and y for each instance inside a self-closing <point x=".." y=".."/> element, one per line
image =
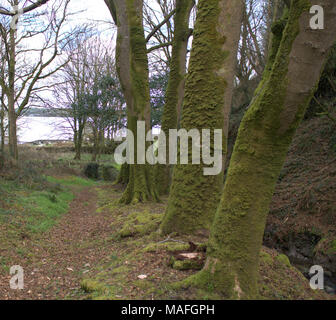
<point x="266" y="132"/>
<point x="95" y="142"/>
<point x="194" y="197"/>
<point x="2" y="117"/>
<point x="176" y="84"/>
<point x="13" y="147"/>
<point x="123" y="176"/>
<point x="132" y="67"/>
<point x="78" y="154"/>
<point x="2" y="127"/>
<point x="101" y="142"/>
<point x="78" y="140"/>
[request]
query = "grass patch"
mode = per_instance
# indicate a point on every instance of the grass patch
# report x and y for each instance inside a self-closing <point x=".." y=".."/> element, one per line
<point x="32" y="211"/>
<point x="45" y="208"/>
<point x="72" y="181"/>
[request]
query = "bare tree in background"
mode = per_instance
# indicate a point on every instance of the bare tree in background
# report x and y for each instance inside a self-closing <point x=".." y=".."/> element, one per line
<point x="3" y="125"/>
<point x="159" y="26"/>
<point x="70" y="90"/>
<point x="32" y="50"/>
<point x="104" y="98"/>
<point x="90" y="93"/>
<point x="254" y="47"/>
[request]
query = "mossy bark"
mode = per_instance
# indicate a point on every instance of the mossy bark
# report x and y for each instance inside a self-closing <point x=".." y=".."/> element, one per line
<point x="123" y="176"/>
<point x="132" y="67"/>
<point x="2" y="128"/>
<point x="176" y="84"/>
<point x="3" y="134"/>
<point x="194" y="197"/>
<point x="2" y="120"/>
<point x="263" y="140"/>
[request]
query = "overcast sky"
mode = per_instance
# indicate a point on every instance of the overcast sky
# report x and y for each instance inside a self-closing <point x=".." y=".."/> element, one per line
<point x="94" y="10"/>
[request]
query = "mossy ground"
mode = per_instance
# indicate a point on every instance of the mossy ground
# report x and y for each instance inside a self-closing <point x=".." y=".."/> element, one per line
<point x="149" y="253"/>
<point x="281" y="281"/>
<point x="82" y="255"/>
<point x="43" y="229"/>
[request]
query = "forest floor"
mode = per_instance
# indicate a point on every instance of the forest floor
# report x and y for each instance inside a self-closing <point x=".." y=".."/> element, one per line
<point x="302" y="218"/>
<point x="95" y="248"/>
<point x="75" y="241"/>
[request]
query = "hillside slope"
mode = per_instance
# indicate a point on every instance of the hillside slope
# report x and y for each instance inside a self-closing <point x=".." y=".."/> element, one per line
<point x="302" y="219"/>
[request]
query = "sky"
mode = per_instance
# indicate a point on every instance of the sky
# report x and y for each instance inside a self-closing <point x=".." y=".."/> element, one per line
<point x="87" y="11"/>
<point x="94" y="10"/>
<point x="97" y="10"/>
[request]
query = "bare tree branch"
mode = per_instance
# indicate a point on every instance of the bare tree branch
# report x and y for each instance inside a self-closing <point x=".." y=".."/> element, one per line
<point x="24" y="10"/>
<point x="160" y="25"/>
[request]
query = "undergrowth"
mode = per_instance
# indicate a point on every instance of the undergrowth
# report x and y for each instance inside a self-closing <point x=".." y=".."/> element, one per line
<point x="140" y="263"/>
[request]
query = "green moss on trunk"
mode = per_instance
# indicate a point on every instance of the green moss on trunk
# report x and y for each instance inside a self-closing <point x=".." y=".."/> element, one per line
<point x="263" y="140"/>
<point x="194" y="197"/>
<point x="175" y="89"/>
<point x="123" y="176"/>
<point x="132" y="67"/>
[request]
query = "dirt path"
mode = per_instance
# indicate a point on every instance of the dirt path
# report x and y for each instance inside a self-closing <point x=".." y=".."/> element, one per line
<point x="57" y="260"/>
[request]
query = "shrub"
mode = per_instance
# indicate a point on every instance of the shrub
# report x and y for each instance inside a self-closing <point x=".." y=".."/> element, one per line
<point x="92" y="170"/>
<point x="109" y="173"/>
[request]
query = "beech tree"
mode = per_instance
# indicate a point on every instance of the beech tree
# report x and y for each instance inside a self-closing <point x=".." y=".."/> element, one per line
<point x="193" y="196"/>
<point x="176" y="83"/>
<point x="3" y="126"/>
<point x="132" y="67"/>
<point x="298" y="54"/>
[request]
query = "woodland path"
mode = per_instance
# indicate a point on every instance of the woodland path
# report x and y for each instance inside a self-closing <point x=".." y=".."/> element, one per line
<point x="61" y="257"/>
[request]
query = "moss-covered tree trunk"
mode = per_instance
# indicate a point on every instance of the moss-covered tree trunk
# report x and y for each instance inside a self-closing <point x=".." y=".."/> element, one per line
<point x="123" y="176"/>
<point x="194" y="197"/>
<point x="2" y="130"/>
<point x="176" y="84"/>
<point x="132" y="67"/>
<point x="266" y="132"/>
<point x="2" y="116"/>
<point x="2" y="127"/>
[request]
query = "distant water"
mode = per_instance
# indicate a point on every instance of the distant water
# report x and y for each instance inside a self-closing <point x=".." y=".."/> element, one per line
<point x="43" y="128"/>
<point x="48" y="128"/>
